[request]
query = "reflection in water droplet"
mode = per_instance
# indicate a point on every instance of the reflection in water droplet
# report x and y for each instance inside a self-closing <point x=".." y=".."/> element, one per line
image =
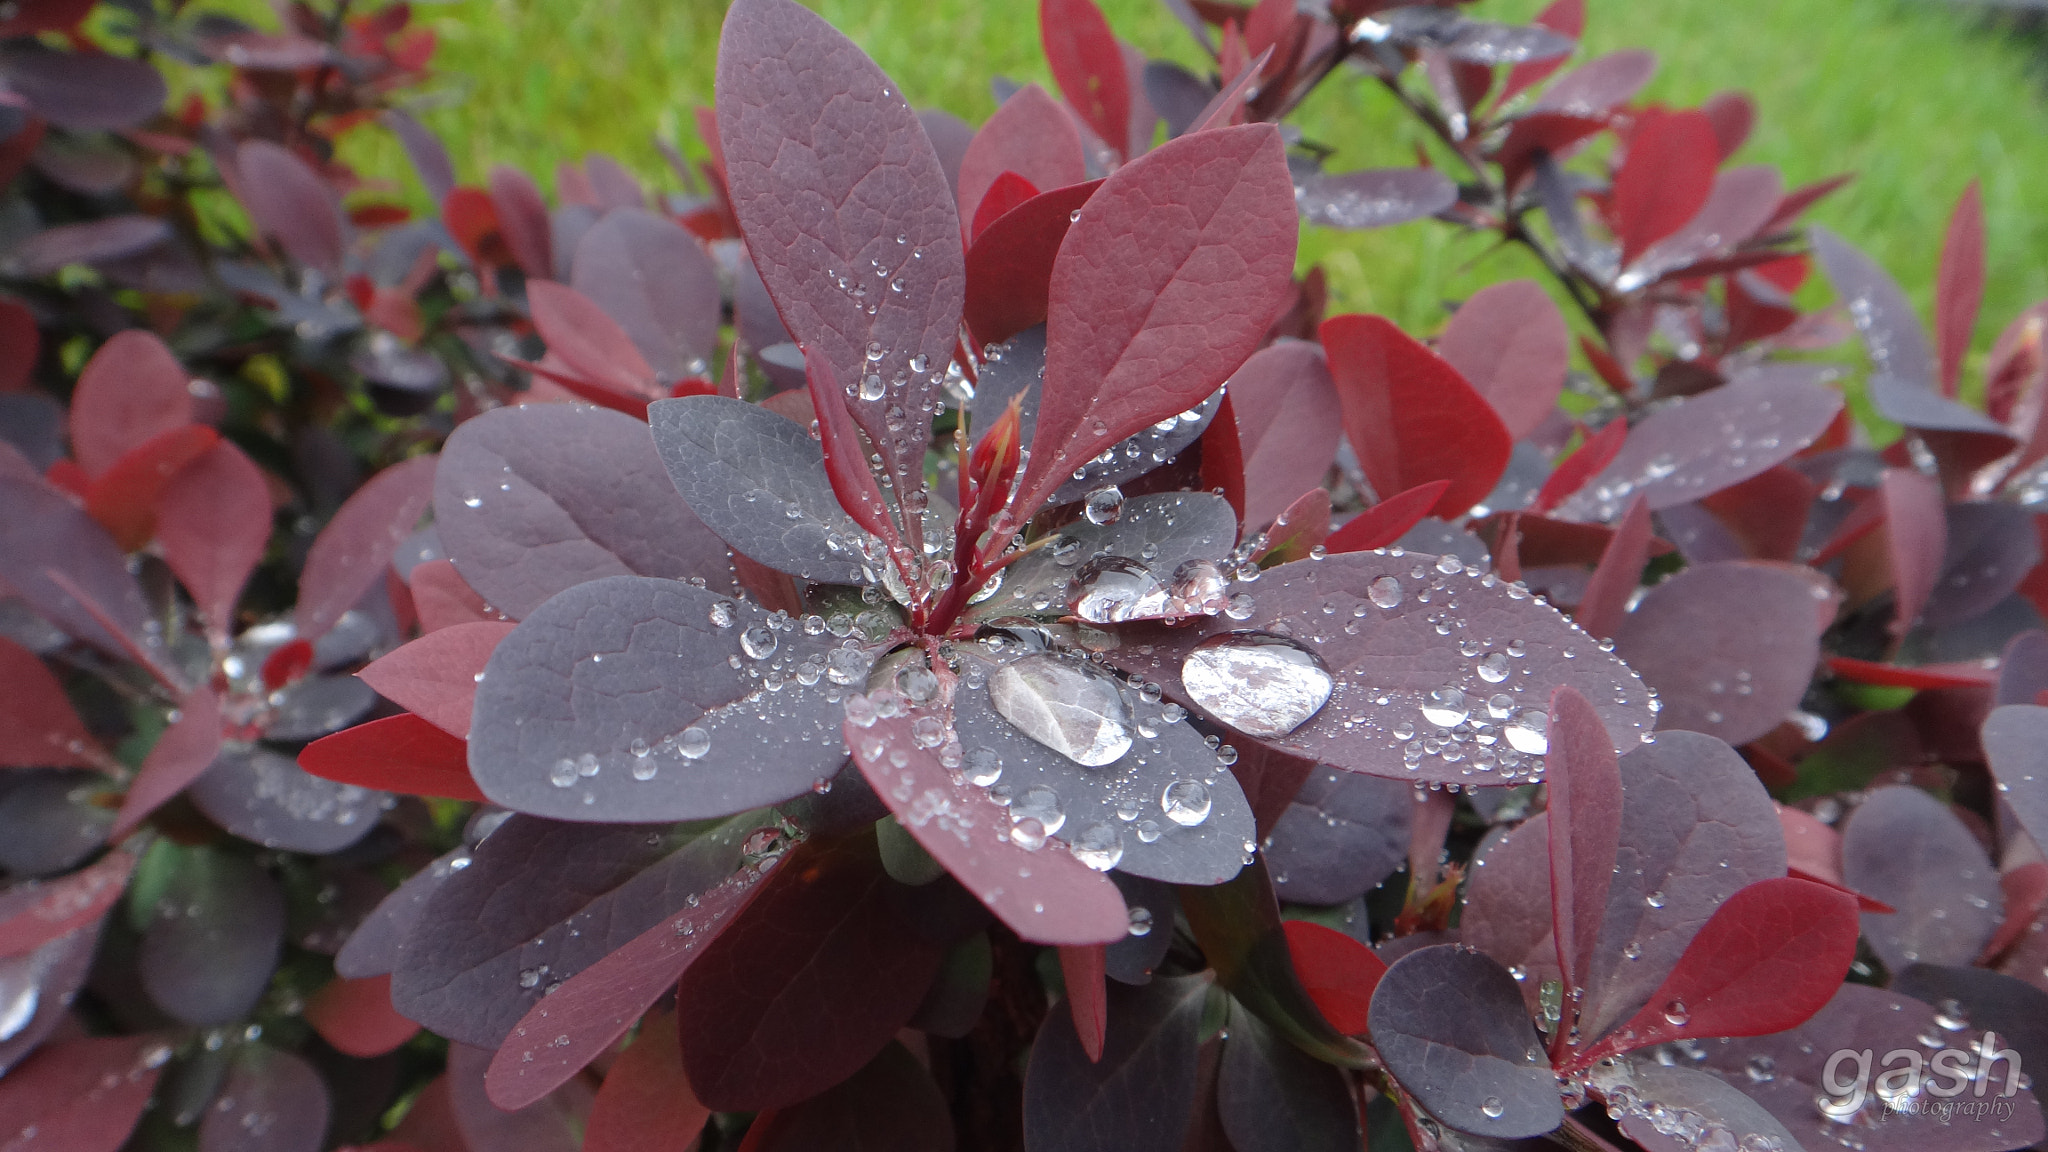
<point x="693" y="743"/>
<point x="1492" y="1108"/>
<point x="1260" y="685"/>
<point x="1529" y="732"/>
<point x="1028" y="835"/>
<point x="1500" y="706"/>
<point x="1761" y="1069"/>
<point x="1385" y="592"/>
<point x="1100" y="846"/>
<point x="983" y="767"/>
<point x="1041" y="804"/>
<point x="1446" y="707"/>
<point x="1065" y="705"/>
<point x="1677" y="1013"/>
<point x="1141" y="920"/>
<point x="1104" y="505"/>
<point x="721" y="614"/>
<point x="20" y="994"/>
<point x="1148" y="831"/>
<point x="1493" y="667"/>
<point x="1113" y="589"/>
<point x="1186" y="802"/>
<point x="758" y="642"/>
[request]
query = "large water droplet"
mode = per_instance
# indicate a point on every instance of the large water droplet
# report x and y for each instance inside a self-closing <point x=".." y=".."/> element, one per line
<point x="1028" y="835"/>
<point x="20" y="995"/>
<point x="1104" y="505"/>
<point x="1385" y="592"/>
<point x="1492" y="1108"/>
<point x="1529" y="732"/>
<point x="1100" y="846"/>
<point x="1199" y="586"/>
<point x="1140" y="920"/>
<point x="1260" y="685"/>
<point x="1677" y="1013"/>
<point x="758" y="642"/>
<point x="693" y="743"/>
<point x="1041" y="804"/>
<point x="1493" y="667"/>
<point x="983" y="767"/>
<point x="1065" y="705"/>
<point x="1446" y="707"/>
<point x="871" y="386"/>
<point x="1186" y="802"/>
<point x="1113" y="589"/>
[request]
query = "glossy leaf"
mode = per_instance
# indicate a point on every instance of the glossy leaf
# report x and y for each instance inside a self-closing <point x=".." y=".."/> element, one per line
<point x="187" y="748"/>
<point x="1411" y="417"/>
<point x="1891" y="330"/>
<point x="80" y="1095"/>
<point x="1088" y="65"/>
<point x="1992" y="1001"/>
<point x="375" y="946"/>
<point x="1388" y="521"/>
<point x="1159" y="293"/>
<point x="213" y="523"/>
<point x="33" y="913"/>
<point x="846" y="457"/>
<point x="2016" y="744"/>
<point x="1604" y="603"/>
<point x="1009" y="269"/>
<point x="1717" y="1104"/>
<point x="213" y="939"/>
<point x="130" y="392"/>
<point x="1592" y="457"/>
<point x="594" y="708"/>
<point x="656" y="280"/>
<point x="267" y="798"/>
<point x="890" y="1105"/>
<point x="435" y="676"/>
<point x="1583" y="778"/>
<point x="1282" y="397"/>
<point x="1138" y="1097"/>
<point x="353" y="551"/>
<point x="1030" y="135"/>
<point x="1342" y="834"/>
<point x="51" y="552"/>
<point x="403" y="754"/>
<point x="1450" y="1026"/>
<point x="1905" y="848"/>
<point x="289" y="200"/>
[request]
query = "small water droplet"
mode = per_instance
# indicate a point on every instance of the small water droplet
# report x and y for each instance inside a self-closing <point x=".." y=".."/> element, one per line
<point x="1104" y="505"/>
<point x="1186" y="802"/>
<point x="693" y="742"/>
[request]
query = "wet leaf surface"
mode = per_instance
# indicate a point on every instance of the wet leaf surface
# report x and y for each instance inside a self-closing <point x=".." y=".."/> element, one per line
<point x="272" y="1101"/>
<point x="1138" y="1097"/>
<point x="1341" y="835"/>
<point x="1450" y="1025"/>
<point x="267" y="798"/>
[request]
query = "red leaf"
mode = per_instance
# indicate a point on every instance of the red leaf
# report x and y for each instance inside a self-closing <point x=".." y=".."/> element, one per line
<point x="435" y="676"/>
<point x="1169" y="280"/>
<point x="1564" y="17"/>
<point x="1226" y="107"/>
<point x="646" y="1104"/>
<point x="1388" y="520"/>
<point x="1083" y="968"/>
<point x="1411" y="417"/>
<point x="1553" y="133"/>
<point x="351" y="553"/>
<point x="1089" y="67"/>
<point x="846" y="457"/>
<point x="1046" y="897"/>
<point x="472" y="219"/>
<point x="1916" y="535"/>
<point x="186" y="749"/>
<point x="590" y="343"/>
<point x="1009" y="269"/>
<point x="1612" y="372"/>
<point x="1768" y="958"/>
<point x="131" y="391"/>
<point x="1031" y="136"/>
<point x="41" y="911"/>
<point x="443" y="598"/>
<point x="124" y="497"/>
<point x="1299" y="528"/>
<point x="356" y="1017"/>
<point x="1336" y="971"/>
<point x="213" y="522"/>
<point x="402" y="754"/>
<point x="1970" y="674"/>
<point x="1767" y="513"/>
<point x="1008" y="191"/>
<point x="1959" y="287"/>
<point x="38" y="727"/>
<point x="1591" y="459"/>
<point x="1733" y="115"/>
<point x="287" y="664"/>
<point x="289" y="201"/>
<point x="1281" y="399"/>
<point x="79" y="1095"/>
<point x="1223" y="458"/>
<point x="22" y="342"/>
<point x="1509" y="342"/>
<point x="1583" y="776"/>
<point x="1618" y="575"/>
<point x="523" y="222"/>
<point x="1665" y="178"/>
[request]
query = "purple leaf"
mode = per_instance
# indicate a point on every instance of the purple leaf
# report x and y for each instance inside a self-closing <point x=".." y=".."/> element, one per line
<point x="267" y="798"/>
<point x="1696" y="827"/>
<point x="1990" y="1001"/>
<point x="272" y="1101"/>
<point x="554" y="1124"/>
<point x="1169" y="280"/>
<point x="1905" y="848"/>
<point x="111" y="238"/>
<point x="48" y="821"/>
<point x="744" y="471"/>
<point x="43" y="534"/>
<point x="1363" y="619"/>
<point x="1179" y="95"/>
<point x="1341" y="836"/>
<point x="533" y="500"/>
<point x="214" y="939"/>
<point x="636" y="699"/>
<point x="1282" y="397"/>
<point x="539" y="902"/>
<point x="1991" y="548"/>
<point x="1140" y="1095"/>
<point x="592" y="1009"/>
<point x="82" y="91"/>
<point x="2016" y="744"/>
<point x="1030" y="135"/>
<point x="81" y="1095"/>
<point x="377" y="945"/>
<point x="54" y="974"/>
<point x="1160" y="532"/>
<point x="1729" y="647"/>
<point x="1585" y="809"/>
<point x="1507" y="902"/>
<point x="1916" y="541"/>
<point x="1597" y="86"/>
<point x="354" y="550"/>
<point x="292" y="203"/>
<point x="830" y="172"/>
<point x="891" y="1104"/>
<point x="2023" y="668"/>
<point x="1509" y="342"/>
<point x="1741" y="202"/>
<point x="1450" y="1025"/>
<point x="1892" y="333"/>
<point x="428" y="155"/>
<point x="186" y="749"/>
<point x="523" y="220"/>
<point x="1273" y="1097"/>
<point x="1711" y="441"/>
<point x="950" y="137"/>
<point x="1718" y="1104"/>
<point x="655" y="279"/>
<point x="1373" y="197"/>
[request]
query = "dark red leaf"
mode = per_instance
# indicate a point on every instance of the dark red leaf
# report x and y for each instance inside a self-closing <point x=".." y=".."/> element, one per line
<point x="1089" y="67"/>
<point x="35" y="912"/>
<point x="1564" y="17"/>
<point x="1959" y="286"/>
<point x="80" y="1095"/>
<point x="1916" y="539"/>
<point x="442" y="598"/>
<point x="1225" y="107"/>
<point x="356" y="1016"/>
<point x="1387" y="521"/>
<point x="290" y="202"/>
<point x="1590" y="459"/>
<point x="186" y="749"/>
<point x="1970" y="674"/>
<point x="645" y="1103"/>
<point x="1031" y="136"/>
<point x="1411" y="417"/>
<point x="1510" y="343"/>
<point x="1767" y="513"/>
<point x="1769" y="958"/>
<point x="1604" y="604"/>
<point x="435" y="676"/>
<point x="1008" y="191"/>
<point x="213" y="523"/>
<point x="808" y="988"/>
<point x="1733" y="115"/>
<point x="891" y="1105"/>
<point x="846" y="456"/>
<point x="1583" y="778"/>
<point x="830" y="172"/>
<point x="1299" y="529"/>
<point x="1009" y="269"/>
<point x="1741" y="201"/>
<point x="590" y="343"/>
<point x="1540" y="134"/>
<point x="1907" y="849"/>
<point x="1047" y="897"/>
<point x="1140" y="1094"/>
<point x="522" y="217"/>
<point x="1223" y="458"/>
<point x="351" y="553"/>
<point x="1081" y="969"/>
<point x="131" y="391"/>
<point x="1282" y="398"/>
<point x="124" y="497"/>
<point x="1338" y="972"/>
<point x="38" y="726"/>
<point x="578" y="1021"/>
<point x="1665" y="178"/>
<point x="1160" y="291"/>
<point x="23" y="343"/>
<point x="402" y="754"/>
<point x="45" y="16"/>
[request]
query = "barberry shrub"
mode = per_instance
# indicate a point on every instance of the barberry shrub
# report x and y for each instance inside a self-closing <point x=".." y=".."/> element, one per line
<point x="931" y="638"/>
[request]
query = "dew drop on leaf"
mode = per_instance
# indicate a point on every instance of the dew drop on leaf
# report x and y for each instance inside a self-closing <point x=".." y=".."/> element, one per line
<point x="1186" y="802"/>
<point x="1104" y="505"/>
<point x="1446" y="707"/>
<point x="1099" y="845"/>
<point x="1259" y="684"/>
<point x="1065" y="705"/>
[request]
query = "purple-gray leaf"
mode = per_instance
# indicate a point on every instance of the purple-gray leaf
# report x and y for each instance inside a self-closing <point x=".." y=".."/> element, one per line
<point x="1991" y="548"/>
<point x="267" y="798"/>
<point x="1905" y="848"/>
<point x="1341" y="836"/>
<point x="82" y="91"/>
<point x="1892" y="332"/>
<point x="2016" y="744"/>
<point x="1718" y="1104"/>
<point x="1373" y="197"/>
<point x="272" y="1101"/>
<point x="655" y="279"/>
<point x="110" y="238"/>
<point x="1273" y="1097"/>
<point x="377" y="946"/>
<point x="208" y="954"/>
<point x="1450" y="1025"/>
<point x="1140" y="1095"/>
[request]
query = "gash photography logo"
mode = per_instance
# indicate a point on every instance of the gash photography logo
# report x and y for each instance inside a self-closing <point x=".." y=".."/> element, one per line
<point x="1950" y="1084"/>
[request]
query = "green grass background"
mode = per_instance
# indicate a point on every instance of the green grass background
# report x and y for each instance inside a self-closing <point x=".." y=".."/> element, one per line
<point x="1910" y="94"/>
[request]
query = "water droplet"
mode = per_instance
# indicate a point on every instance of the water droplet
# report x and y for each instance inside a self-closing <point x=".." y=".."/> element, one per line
<point x="1028" y="835"/>
<point x="871" y="387"/>
<point x="1100" y="846"/>
<point x="1199" y="586"/>
<point x="1384" y="592"/>
<point x="845" y="665"/>
<point x="1239" y="606"/>
<point x="1104" y="505"/>
<point x="1493" y="667"/>
<point x="1492" y="1108"/>
<point x="1141" y="920"/>
<point x="563" y="774"/>
<point x="1761" y="1069"/>
<point x="758" y="642"/>
<point x="1951" y="1015"/>
<point x="1065" y="705"/>
<point x="1446" y="707"/>
<point x="1260" y="685"/>
<point x="693" y="743"/>
<point x="1114" y="589"/>
<point x="1148" y="831"/>
<point x="1654" y="899"/>
<point x="721" y="614"/>
<point x="917" y="683"/>
<point x="1186" y="802"/>
<point x="983" y="766"/>
<point x="1449" y="564"/>
<point x="1529" y="732"/>
<point x="1041" y="804"/>
<point x="1677" y="1013"/>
